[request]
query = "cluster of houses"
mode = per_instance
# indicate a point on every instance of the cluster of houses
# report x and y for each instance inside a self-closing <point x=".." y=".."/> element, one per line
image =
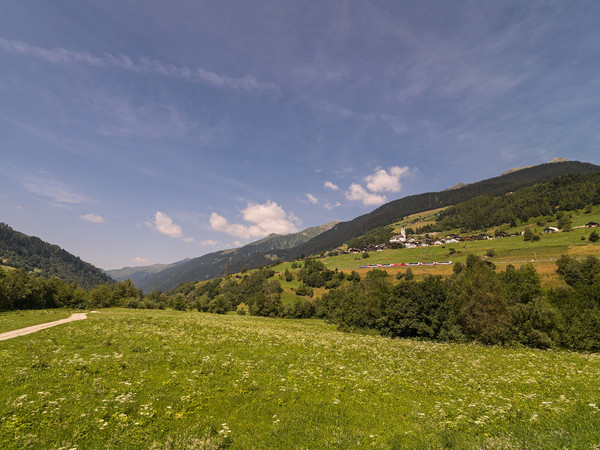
<point x="587" y="225"/>
<point x="401" y="241"/>
<point x="411" y="242"/>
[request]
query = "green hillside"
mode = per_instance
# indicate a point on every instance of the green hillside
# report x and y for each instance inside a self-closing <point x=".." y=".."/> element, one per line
<point x="219" y="263"/>
<point x="393" y="211"/>
<point x="34" y="255"/>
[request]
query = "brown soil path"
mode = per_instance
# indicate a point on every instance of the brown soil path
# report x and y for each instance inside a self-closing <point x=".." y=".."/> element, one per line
<point x="42" y="326"/>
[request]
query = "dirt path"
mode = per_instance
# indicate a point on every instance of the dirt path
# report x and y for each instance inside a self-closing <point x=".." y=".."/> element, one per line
<point x="42" y="326"/>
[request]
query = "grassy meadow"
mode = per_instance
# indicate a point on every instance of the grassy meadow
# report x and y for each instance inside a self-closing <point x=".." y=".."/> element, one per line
<point x="13" y="320"/>
<point x="169" y="379"/>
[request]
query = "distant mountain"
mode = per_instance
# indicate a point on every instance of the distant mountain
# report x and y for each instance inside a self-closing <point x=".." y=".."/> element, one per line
<point x="285" y="241"/>
<point x="34" y="255"/>
<point x="221" y="262"/>
<point x="135" y="274"/>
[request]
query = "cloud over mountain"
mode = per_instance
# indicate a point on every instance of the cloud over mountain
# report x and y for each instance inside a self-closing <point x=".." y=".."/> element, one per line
<point x="265" y="218"/>
<point x="380" y="181"/>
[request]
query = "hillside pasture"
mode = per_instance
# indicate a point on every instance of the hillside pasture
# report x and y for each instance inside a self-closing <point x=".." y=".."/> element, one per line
<point x="510" y="250"/>
<point x="168" y="379"/>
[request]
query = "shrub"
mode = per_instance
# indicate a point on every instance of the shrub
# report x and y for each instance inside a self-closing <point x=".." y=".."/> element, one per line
<point x="305" y="291"/>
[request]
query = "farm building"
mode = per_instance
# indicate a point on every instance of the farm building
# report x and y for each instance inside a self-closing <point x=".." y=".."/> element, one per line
<point x="550" y="230"/>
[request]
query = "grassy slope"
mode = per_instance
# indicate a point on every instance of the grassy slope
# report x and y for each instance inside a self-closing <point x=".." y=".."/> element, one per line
<point x="182" y="379"/>
<point x="13" y="320"/>
<point x="508" y="250"/>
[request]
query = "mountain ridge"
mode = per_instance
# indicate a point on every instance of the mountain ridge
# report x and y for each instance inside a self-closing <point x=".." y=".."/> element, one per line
<point x="31" y="253"/>
<point x="396" y="209"/>
<point x="218" y="264"/>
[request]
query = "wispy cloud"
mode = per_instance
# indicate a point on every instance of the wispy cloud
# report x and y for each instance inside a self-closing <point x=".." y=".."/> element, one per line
<point x="60" y="55"/>
<point x="266" y="218"/>
<point x="330" y="185"/>
<point x="328" y="205"/>
<point x="322" y="202"/>
<point x="119" y="117"/>
<point x="395" y="123"/>
<point x="94" y="218"/>
<point x="311" y="198"/>
<point x="46" y="186"/>
<point x="139" y="259"/>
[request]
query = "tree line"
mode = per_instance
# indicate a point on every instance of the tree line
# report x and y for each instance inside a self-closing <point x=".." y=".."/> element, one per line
<point x="550" y="200"/>
<point x="476" y="303"/>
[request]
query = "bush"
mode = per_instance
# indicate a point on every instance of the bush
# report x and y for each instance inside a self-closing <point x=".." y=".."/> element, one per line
<point x="528" y="234"/>
<point x="304" y="291"/>
<point x="300" y="309"/>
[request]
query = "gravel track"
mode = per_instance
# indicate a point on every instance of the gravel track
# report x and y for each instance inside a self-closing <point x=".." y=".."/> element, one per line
<point x="42" y="326"/>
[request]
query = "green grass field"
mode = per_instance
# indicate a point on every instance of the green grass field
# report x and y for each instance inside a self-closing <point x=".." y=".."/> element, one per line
<point x="508" y="250"/>
<point x="166" y="379"/>
<point x="13" y="320"/>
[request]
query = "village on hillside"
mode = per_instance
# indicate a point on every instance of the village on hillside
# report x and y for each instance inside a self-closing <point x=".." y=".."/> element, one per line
<point x="402" y="241"/>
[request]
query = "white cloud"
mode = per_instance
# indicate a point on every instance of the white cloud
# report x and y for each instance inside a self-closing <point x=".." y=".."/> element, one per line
<point x="330" y="206"/>
<point x="266" y="218"/>
<point x="382" y="181"/>
<point x="58" y="192"/>
<point x="95" y="218"/>
<point x="311" y="198"/>
<point x="164" y="224"/>
<point x="139" y="259"/>
<point x="61" y="55"/>
<point x="330" y="185"/>
<point x="357" y="192"/>
<point x="209" y="242"/>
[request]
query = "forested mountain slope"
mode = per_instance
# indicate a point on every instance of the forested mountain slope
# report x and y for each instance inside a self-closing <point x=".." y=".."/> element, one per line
<point x="219" y="263"/>
<point x="563" y="193"/>
<point x="397" y="209"/>
<point x="32" y="254"/>
<point x="255" y="255"/>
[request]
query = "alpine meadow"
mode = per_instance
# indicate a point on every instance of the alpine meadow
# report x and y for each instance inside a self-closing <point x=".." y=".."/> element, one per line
<point x="299" y="225"/>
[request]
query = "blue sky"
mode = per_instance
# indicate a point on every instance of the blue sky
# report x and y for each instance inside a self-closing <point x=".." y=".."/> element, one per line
<point x="139" y="132"/>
